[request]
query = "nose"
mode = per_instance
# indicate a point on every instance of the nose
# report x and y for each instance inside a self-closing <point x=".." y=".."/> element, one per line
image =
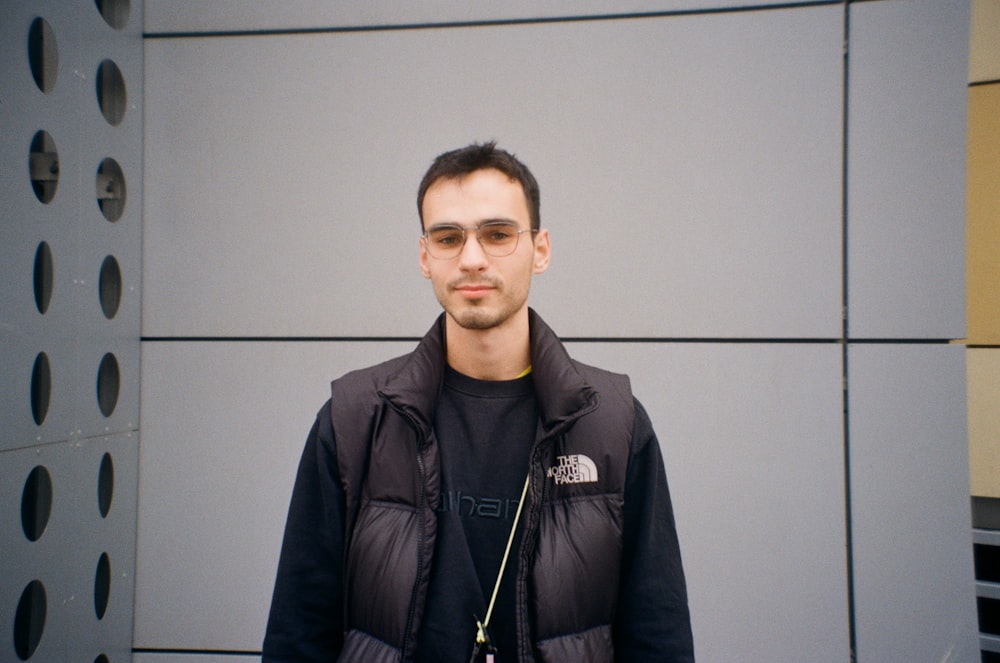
<point x="472" y="258"/>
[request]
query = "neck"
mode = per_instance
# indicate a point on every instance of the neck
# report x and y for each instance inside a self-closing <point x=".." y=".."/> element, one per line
<point x="500" y="353"/>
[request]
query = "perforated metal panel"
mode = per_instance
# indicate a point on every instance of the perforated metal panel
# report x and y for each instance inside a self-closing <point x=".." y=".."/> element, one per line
<point x="69" y="327"/>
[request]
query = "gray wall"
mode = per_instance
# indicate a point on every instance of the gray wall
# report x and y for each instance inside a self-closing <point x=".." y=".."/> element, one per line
<point x="716" y="194"/>
<point x="766" y="235"/>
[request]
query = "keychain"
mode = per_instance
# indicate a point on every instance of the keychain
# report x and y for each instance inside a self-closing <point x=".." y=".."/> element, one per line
<point x="482" y="638"/>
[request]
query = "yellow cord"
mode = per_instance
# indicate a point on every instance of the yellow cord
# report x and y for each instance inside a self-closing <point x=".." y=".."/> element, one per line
<point x="503" y="563"/>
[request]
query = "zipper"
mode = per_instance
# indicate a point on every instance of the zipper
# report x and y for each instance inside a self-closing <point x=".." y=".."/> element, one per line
<point x="536" y="495"/>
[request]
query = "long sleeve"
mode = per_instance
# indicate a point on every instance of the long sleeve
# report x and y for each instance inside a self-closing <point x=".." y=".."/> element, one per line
<point x="306" y="617"/>
<point x="653" y="622"/>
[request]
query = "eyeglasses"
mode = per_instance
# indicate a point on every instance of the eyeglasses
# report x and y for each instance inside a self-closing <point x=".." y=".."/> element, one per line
<point x="498" y="239"/>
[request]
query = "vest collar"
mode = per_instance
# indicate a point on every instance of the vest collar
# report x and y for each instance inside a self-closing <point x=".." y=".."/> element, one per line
<point x="562" y="392"/>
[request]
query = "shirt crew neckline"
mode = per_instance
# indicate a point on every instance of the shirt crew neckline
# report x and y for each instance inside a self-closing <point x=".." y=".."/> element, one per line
<point x="522" y="386"/>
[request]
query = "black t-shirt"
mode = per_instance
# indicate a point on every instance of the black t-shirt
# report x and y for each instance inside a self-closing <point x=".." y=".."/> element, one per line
<point x="485" y="430"/>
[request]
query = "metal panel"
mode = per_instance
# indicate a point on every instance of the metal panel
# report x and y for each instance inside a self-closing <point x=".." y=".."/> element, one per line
<point x="199" y="17"/>
<point x="223" y="429"/>
<point x="690" y="168"/>
<point x="913" y="576"/>
<point x="48" y="558"/>
<point x="984" y="41"/>
<point x="71" y="224"/>
<point x="88" y="603"/>
<point x="227" y="457"/>
<point x="28" y="222"/>
<point x="752" y="439"/>
<point x="65" y="557"/>
<point x="983" y="373"/>
<point x="158" y="657"/>
<point x="906" y="169"/>
<point x="982" y="232"/>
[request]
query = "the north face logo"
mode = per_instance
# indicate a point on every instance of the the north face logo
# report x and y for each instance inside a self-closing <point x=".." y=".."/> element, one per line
<point x="575" y="468"/>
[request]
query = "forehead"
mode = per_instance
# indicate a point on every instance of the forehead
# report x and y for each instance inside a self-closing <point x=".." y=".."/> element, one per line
<point x="482" y="194"/>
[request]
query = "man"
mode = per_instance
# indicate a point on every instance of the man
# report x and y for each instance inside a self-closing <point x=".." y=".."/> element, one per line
<point x="486" y="497"/>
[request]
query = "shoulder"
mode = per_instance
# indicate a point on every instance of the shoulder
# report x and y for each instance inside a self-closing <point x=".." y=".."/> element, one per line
<point x="615" y="389"/>
<point x="609" y="385"/>
<point x="613" y="415"/>
<point x="354" y="399"/>
<point x="365" y="382"/>
<point x="377" y="372"/>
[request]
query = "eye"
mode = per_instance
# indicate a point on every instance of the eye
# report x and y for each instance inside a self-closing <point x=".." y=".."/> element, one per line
<point x="498" y="233"/>
<point x="446" y="236"/>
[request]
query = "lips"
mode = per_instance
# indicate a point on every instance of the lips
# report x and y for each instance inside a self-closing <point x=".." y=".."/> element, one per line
<point x="473" y="290"/>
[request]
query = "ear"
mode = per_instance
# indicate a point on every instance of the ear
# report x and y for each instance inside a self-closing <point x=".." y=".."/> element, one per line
<point x="543" y="251"/>
<point x="423" y="259"/>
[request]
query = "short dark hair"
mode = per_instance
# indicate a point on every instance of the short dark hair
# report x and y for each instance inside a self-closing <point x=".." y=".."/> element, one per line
<point x="456" y="164"/>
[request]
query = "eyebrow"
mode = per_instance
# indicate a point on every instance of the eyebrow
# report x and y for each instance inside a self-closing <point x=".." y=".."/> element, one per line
<point x="447" y="224"/>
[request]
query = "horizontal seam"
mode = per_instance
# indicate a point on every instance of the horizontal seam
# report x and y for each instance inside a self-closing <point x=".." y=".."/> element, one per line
<point x="386" y="504"/>
<point x="576" y="633"/>
<point x="584" y="498"/>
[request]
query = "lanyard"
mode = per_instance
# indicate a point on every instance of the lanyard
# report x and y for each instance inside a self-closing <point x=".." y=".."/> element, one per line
<point x="482" y="636"/>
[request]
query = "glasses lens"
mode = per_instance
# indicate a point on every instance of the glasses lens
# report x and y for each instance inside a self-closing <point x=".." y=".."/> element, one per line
<point x="499" y="238"/>
<point x="445" y="241"/>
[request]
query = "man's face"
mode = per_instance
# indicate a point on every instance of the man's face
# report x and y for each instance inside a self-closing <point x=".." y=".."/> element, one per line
<point x="479" y="291"/>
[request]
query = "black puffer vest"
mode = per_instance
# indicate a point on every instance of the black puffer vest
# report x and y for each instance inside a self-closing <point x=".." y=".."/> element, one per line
<point x="570" y="556"/>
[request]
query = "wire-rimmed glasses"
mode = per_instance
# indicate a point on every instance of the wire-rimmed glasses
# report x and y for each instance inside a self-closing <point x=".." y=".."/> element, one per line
<point x="498" y="238"/>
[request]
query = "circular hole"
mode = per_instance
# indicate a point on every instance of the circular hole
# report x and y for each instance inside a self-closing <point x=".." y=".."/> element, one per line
<point x="44" y="273"/>
<point x="43" y="54"/>
<point x="36" y="503"/>
<point x="111" y="95"/>
<point x="29" y="620"/>
<point x="105" y="485"/>
<point x="111" y="189"/>
<point x="102" y="585"/>
<point x="114" y="12"/>
<point x="107" y="384"/>
<point x="110" y="287"/>
<point x="101" y="659"/>
<point x="43" y="166"/>
<point x="41" y="388"/>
